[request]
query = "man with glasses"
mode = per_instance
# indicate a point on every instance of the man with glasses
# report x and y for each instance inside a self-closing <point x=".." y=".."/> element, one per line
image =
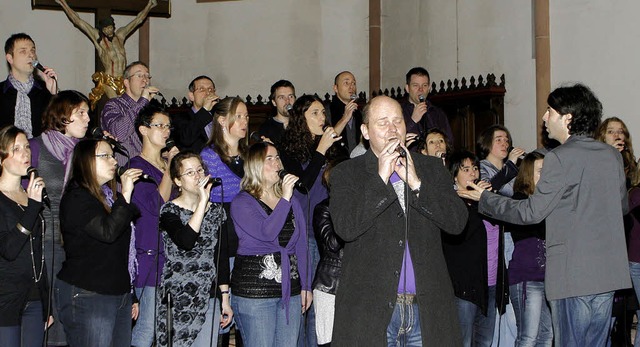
<point x="282" y="96"/>
<point x="193" y="128"/>
<point x="119" y="114"/>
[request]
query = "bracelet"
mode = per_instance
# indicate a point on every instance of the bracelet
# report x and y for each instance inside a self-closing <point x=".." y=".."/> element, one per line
<point x="224" y="292"/>
<point x="23" y="229"/>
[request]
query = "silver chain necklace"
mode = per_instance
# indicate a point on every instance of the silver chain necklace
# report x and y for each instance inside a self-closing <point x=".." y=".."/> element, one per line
<point x="37" y="277"/>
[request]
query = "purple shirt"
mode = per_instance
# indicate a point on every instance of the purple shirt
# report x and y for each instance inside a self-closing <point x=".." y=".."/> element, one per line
<point x="217" y="168"/>
<point x="148" y="200"/>
<point x="118" y="118"/>
<point x="493" y="239"/>
<point x="407" y="275"/>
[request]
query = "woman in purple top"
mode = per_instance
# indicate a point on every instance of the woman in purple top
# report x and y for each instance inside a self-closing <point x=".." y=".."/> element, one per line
<point x="527" y="265"/>
<point x="270" y="284"/>
<point x="154" y="128"/>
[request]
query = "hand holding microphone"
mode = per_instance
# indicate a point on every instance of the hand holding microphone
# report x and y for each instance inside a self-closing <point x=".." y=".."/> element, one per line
<point x="516" y="153"/>
<point x="36" y="189"/>
<point x="289" y="181"/>
<point x="149" y="92"/>
<point x="97" y="133"/>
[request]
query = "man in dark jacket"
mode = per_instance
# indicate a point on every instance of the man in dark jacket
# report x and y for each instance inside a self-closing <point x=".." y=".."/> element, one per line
<point x="390" y="210"/>
<point x="23" y="98"/>
<point x="193" y="128"/>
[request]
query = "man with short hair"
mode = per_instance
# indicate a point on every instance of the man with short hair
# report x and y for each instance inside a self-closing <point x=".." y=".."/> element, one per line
<point x="419" y="113"/>
<point x="343" y="110"/>
<point x="282" y="96"/>
<point x="581" y="196"/>
<point x="23" y="98"/>
<point x="119" y="114"/>
<point x="390" y="210"/>
<point x="192" y="129"/>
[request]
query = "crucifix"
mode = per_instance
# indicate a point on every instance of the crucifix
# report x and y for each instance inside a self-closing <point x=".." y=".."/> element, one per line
<point x="109" y="41"/>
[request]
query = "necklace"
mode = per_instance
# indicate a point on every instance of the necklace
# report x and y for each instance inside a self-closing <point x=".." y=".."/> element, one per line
<point x="159" y="165"/>
<point x="37" y="277"/>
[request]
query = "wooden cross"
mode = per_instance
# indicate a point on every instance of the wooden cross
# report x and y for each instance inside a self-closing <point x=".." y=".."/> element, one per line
<point x="105" y="8"/>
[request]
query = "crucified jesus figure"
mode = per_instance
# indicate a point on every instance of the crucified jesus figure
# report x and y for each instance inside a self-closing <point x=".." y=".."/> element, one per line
<point x="109" y="44"/>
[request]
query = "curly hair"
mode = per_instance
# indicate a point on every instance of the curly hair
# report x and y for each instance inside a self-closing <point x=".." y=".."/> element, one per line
<point x="297" y="140"/>
<point x="579" y="101"/>
<point x="628" y="158"/>
<point x="225" y="108"/>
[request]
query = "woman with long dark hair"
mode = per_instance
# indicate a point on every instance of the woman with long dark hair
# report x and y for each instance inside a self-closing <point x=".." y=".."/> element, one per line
<point x="270" y="282"/>
<point x="23" y="289"/>
<point x="93" y="291"/>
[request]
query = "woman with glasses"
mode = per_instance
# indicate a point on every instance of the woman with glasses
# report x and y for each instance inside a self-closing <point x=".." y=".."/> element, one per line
<point x="194" y="267"/>
<point x="223" y="156"/>
<point x="23" y="289"/>
<point x="270" y="283"/>
<point x="473" y="260"/>
<point x="154" y="128"/>
<point x="93" y="291"/>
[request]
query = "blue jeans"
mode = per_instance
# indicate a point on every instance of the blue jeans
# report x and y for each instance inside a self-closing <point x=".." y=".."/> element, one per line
<point x="307" y="337"/>
<point x="582" y="320"/>
<point x="143" y="331"/>
<point x="30" y="332"/>
<point x="263" y="322"/>
<point x="404" y="327"/>
<point x="477" y="329"/>
<point x="92" y="319"/>
<point x="532" y="314"/>
<point x="208" y="335"/>
<point x="634" y="270"/>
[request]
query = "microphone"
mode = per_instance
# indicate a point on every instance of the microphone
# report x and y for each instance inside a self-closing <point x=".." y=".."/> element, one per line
<point x="284" y="172"/>
<point x="169" y="144"/>
<point x="288" y="107"/>
<point x="96" y="133"/>
<point x="421" y="98"/>
<point x="255" y="137"/>
<point x="45" y="196"/>
<point x="401" y="151"/>
<point x="353" y="97"/>
<point x="520" y="157"/>
<point x="324" y="128"/>
<point x="214" y="181"/>
<point x="121" y="169"/>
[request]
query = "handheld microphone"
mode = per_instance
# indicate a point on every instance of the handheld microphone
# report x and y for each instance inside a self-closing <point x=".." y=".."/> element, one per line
<point x="288" y="107"/>
<point x="520" y="157"/>
<point x="45" y="196"/>
<point x="401" y="151"/>
<point x="284" y="172"/>
<point x="96" y="133"/>
<point x="353" y="97"/>
<point x="169" y="144"/>
<point x="214" y="181"/>
<point x="120" y="170"/>
<point x="421" y="98"/>
<point x="324" y="128"/>
<point x="255" y="137"/>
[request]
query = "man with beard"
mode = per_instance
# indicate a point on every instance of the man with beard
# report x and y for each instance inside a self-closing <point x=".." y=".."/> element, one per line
<point x="283" y="95"/>
<point x="109" y="44"/>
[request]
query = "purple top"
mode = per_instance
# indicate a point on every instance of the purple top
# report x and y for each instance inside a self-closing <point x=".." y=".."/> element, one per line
<point x="118" y="118"/>
<point x="634" y="236"/>
<point x="317" y="193"/>
<point x="258" y="234"/>
<point x="148" y="200"/>
<point x="493" y="239"/>
<point x="217" y="168"/>
<point x="407" y="275"/>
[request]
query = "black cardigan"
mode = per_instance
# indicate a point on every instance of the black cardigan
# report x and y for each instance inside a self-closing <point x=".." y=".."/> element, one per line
<point x="39" y="97"/>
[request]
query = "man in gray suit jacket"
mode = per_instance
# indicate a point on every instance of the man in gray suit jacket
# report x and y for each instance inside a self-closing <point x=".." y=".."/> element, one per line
<point x="582" y="195"/>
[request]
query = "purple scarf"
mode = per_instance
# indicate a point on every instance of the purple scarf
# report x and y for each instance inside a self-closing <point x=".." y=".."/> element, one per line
<point x="133" y="262"/>
<point x="61" y="147"/>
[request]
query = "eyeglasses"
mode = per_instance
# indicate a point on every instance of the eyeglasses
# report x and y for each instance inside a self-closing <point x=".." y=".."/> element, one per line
<point x="205" y="90"/>
<point x="192" y="173"/>
<point x="106" y="156"/>
<point x="161" y="126"/>
<point x="142" y="75"/>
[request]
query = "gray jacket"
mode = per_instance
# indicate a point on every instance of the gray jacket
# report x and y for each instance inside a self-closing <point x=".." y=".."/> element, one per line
<point x="582" y="195"/>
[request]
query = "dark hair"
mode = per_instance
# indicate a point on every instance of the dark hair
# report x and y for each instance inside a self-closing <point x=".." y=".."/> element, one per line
<point x="297" y="140"/>
<point x="8" y="137"/>
<point x="628" y="158"/>
<point x="579" y="101"/>
<point x="420" y="71"/>
<point x="335" y="79"/>
<point x="83" y="170"/>
<point x="127" y="69"/>
<point x="176" y="163"/>
<point x="422" y="144"/>
<point x="524" y="180"/>
<point x="105" y="22"/>
<point x="225" y="108"/>
<point x="253" y="180"/>
<point x="145" y="116"/>
<point x="485" y="140"/>
<point x="192" y="84"/>
<point x="58" y="113"/>
<point x="280" y="84"/>
<point x="457" y="158"/>
<point x="11" y="42"/>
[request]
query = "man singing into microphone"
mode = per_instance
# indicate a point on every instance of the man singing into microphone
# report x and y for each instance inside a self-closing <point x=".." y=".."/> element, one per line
<point x="420" y="114"/>
<point x="390" y="211"/>
<point x="23" y="97"/>
<point x="119" y="114"/>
